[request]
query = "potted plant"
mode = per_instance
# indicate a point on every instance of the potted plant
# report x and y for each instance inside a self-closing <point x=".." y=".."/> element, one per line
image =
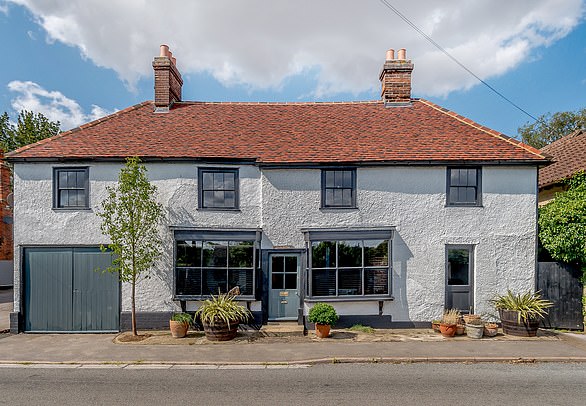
<point x="324" y="316"/>
<point x="221" y="314"/>
<point x="475" y="328"/>
<point x="179" y="324"/>
<point x="521" y="313"/>
<point x="435" y="325"/>
<point x="491" y="329"/>
<point x="470" y="316"/>
<point x="449" y="322"/>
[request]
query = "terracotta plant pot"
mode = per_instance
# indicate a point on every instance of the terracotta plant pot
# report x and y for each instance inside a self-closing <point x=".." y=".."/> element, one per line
<point x="468" y="317"/>
<point x="322" y="330"/>
<point x="460" y="330"/>
<point x="491" y="329"/>
<point x="448" y="330"/>
<point x="178" y="328"/>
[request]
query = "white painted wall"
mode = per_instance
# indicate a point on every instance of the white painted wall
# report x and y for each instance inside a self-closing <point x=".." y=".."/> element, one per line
<point x="282" y="202"/>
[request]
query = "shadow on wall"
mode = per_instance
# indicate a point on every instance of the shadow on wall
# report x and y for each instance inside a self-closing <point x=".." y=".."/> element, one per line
<point x="401" y="254"/>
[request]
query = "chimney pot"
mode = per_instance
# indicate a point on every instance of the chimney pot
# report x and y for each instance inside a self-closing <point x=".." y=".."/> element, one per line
<point x="164" y="50"/>
<point x="402" y="53"/>
<point x="390" y="54"/>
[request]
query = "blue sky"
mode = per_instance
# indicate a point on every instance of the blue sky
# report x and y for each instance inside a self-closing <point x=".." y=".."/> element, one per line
<point x="76" y="62"/>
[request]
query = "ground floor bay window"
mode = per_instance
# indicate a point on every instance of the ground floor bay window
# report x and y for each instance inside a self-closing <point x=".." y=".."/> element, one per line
<point x="208" y="262"/>
<point x="349" y="263"/>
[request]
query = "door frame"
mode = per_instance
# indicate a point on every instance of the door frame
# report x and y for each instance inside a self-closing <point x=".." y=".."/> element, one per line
<point x="471" y="270"/>
<point x="265" y="268"/>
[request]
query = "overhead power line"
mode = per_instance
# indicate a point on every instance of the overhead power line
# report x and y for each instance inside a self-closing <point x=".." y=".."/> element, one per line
<point x="442" y="49"/>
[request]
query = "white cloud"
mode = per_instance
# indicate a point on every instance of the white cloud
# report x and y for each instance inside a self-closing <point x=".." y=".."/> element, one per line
<point x="260" y="43"/>
<point x="4" y="8"/>
<point x="52" y="104"/>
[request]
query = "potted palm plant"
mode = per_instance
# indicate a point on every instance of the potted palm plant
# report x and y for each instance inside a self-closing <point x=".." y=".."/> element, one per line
<point x="324" y="316"/>
<point x="449" y="323"/>
<point x="221" y="315"/>
<point x="521" y="313"/>
<point x="179" y="324"/>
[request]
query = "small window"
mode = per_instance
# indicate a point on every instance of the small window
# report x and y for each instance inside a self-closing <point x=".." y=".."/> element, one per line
<point x="464" y="186"/>
<point x="71" y="188"/>
<point x="218" y="189"/>
<point x="338" y="188"/>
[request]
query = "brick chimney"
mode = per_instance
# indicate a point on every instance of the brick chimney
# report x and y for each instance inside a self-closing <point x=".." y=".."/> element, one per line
<point x="168" y="80"/>
<point x="395" y="78"/>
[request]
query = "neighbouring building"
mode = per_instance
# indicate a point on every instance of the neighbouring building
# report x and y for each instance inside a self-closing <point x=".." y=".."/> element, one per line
<point x="569" y="157"/>
<point x="391" y="210"/>
<point x="6" y="244"/>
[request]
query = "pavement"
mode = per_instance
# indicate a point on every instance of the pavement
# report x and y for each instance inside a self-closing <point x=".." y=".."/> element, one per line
<point x="105" y="350"/>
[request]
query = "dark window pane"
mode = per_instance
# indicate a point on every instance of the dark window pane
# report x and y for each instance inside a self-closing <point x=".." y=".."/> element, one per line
<point x="218" y="181"/>
<point x="323" y="282"/>
<point x="241" y="254"/>
<point x="323" y="254"/>
<point x="470" y="194"/>
<point x="214" y="281"/>
<point x="241" y="278"/>
<point x="63" y="198"/>
<point x="278" y="281"/>
<point x="229" y="199"/>
<point x="215" y="253"/>
<point x="277" y="264"/>
<point x="329" y="197"/>
<point x="218" y="199"/>
<point x="81" y="197"/>
<point x="229" y="181"/>
<point x="349" y="253"/>
<point x="376" y="253"/>
<point x="188" y="253"/>
<point x="208" y="199"/>
<point x="346" y="197"/>
<point x="349" y="282"/>
<point x="62" y="179"/>
<point x="208" y="180"/>
<point x="188" y="281"/>
<point x="454" y="177"/>
<point x="338" y="197"/>
<point x="72" y="200"/>
<point x="291" y="265"/>
<point x="339" y="179"/>
<point x="291" y="281"/>
<point x="471" y="177"/>
<point x="458" y="266"/>
<point x="376" y="281"/>
<point x="330" y="178"/>
<point x="347" y="179"/>
<point x="80" y="179"/>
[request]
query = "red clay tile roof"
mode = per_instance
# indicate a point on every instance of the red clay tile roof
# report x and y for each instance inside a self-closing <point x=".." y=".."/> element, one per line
<point x="569" y="155"/>
<point x="284" y="133"/>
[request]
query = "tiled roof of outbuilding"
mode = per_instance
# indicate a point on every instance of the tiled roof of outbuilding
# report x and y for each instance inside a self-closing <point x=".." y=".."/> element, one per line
<point x="569" y="155"/>
<point x="284" y="133"/>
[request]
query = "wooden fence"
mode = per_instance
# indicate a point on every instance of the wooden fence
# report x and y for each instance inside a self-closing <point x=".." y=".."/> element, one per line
<point x="561" y="284"/>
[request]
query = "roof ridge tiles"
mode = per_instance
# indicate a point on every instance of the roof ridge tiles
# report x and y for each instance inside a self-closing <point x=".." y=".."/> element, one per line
<point x="487" y="130"/>
<point x="277" y="103"/>
<point x="79" y="128"/>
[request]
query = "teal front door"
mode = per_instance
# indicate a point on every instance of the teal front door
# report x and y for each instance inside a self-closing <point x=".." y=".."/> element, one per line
<point x="284" y="286"/>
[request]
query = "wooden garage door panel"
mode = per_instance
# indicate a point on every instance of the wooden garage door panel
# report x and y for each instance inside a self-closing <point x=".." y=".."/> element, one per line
<point x="65" y="293"/>
<point x="48" y="286"/>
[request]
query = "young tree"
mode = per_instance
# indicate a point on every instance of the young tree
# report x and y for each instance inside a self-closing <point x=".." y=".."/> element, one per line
<point x="130" y="217"/>
<point x="550" y="127"/>
<point x="30" y="127"/>
<point x="562" y="228"/>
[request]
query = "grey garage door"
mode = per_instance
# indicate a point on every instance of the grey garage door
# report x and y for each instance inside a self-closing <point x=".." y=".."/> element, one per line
<point x="63" y="292"/>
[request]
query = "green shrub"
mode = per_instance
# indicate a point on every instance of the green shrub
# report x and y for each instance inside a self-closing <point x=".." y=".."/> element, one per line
<point x="323" y="313"/>
<point x="182" y="318"/>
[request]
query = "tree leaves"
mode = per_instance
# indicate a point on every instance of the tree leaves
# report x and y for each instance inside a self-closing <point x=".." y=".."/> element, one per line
<point x="550" y="127"/>
<point x="30" y="128"/>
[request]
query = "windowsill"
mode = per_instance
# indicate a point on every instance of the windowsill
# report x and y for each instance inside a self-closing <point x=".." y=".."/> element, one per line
<point x="72" y="209"/>
<point x="463" y="205"/>
<point x="217" y="209"/>
<point x="348" y="299"/>
<point x="347" y="208"/>
<point x="205" y="297"/>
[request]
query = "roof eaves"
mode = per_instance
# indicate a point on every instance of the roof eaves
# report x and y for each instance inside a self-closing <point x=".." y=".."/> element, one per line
<point x="484" y="129"/>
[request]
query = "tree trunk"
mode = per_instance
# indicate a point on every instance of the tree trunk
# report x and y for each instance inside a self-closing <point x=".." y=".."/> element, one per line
<point x="133" y="305"/>
<point x="584" y="304"/>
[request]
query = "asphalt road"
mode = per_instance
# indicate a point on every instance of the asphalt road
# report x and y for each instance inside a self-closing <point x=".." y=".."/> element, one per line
<point x="340" y="384"/>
